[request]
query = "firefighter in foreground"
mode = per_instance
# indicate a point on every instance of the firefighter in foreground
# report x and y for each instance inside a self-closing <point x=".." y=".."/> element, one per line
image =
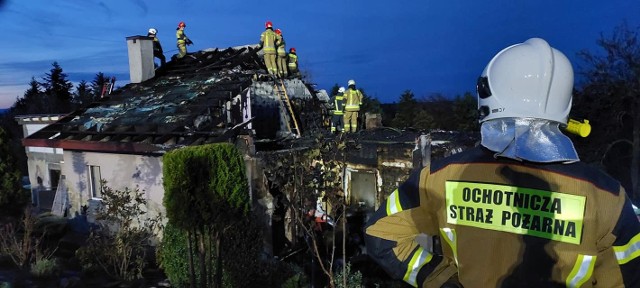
<point x="353" y="100"/>
<point x="182" y="40"/>
<point x="520" y="211"/>
<point x="268" y="46"/>
<point x="157" y="48"/>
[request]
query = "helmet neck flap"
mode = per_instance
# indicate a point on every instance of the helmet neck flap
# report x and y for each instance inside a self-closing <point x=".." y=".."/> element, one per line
<point x="530" y="139"/>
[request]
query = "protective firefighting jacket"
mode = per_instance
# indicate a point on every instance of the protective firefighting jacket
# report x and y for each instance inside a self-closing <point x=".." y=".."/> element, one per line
<point x="504" y="223"/>
<point x="157" y="47"/>
<point x="181" y="38"/>
<point x="338" y="104"/>
<point x="292" y="61"/>
<point x="281" y="46"/>
<point x="268" y="41"/>
<point x="353" y="100"/>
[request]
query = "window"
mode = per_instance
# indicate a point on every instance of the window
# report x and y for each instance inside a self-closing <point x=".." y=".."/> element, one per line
<point x="95" y="184"/>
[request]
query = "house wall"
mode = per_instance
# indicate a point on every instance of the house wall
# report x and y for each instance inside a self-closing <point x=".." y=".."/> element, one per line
<point x="40" y="160"/>
<point x="119" y="170"/>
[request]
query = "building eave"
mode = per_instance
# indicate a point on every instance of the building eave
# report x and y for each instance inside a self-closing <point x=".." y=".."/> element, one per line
<point x="111" y="147"/>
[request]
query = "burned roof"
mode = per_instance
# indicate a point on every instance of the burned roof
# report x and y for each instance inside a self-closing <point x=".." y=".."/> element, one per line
<point x="186" y="103"/>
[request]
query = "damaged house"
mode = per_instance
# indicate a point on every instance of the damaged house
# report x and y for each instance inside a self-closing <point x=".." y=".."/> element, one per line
<point x="211" y="96"/>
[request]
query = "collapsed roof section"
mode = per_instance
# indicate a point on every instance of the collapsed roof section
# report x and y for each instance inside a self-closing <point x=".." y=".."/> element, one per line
<point x="206" y="97"/>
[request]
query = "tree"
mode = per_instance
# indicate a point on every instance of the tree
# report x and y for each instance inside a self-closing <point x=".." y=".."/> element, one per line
<point x="98" y="83"/>
<point x="206" y="193"/>
<point x="83" y="94"/>
<point x="32" y="102"/>
<point x="58" y="89"/>
<point x="611" y="97"/>
<point x="465" y="112"/>
<point x="369" y="104"/>
<point x="12" y="197"/>
<point x="441" y="110"/>
<point x="408" y="109"/>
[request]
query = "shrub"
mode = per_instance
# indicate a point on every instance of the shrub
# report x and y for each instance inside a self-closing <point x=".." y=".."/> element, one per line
<point x="119" y="246"/>
<point x="44" y="268"/>
<point x="354" y="279"/>
<point x="22" y="245"/>
<point x="172" y="256"/>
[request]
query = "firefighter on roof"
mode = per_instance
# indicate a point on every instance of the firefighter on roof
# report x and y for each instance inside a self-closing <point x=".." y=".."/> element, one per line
<point x="281" y="50"/>
<point x="353" y="100"/>
<point x="337" y="120"/>
<point x="520" y="210"/>
<point x="157" y="48"/>
<point x="182" y="40"/>
<point x="268" y="46"/>
<point x="292" y="60"/>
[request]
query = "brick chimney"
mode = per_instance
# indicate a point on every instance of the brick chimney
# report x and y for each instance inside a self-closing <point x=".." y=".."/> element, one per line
<point x="141" y="66"/>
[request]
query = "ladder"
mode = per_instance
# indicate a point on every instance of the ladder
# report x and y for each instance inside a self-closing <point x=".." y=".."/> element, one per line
<point x="60" y="200"/>
<point x="281" y="91"/>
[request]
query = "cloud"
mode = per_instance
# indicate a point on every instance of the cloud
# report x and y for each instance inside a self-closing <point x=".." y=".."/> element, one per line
<point x="142" y="6"/>
<point x="105" y="9"/>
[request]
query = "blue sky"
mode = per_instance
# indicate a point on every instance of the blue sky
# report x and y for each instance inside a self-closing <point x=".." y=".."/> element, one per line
<point x="425" y="46"/>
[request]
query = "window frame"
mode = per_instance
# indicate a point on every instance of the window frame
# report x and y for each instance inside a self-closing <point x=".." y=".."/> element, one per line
<point x="92" y="182"/>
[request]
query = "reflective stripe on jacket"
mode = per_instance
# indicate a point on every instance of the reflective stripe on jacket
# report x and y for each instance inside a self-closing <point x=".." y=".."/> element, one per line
<point x="293" y="61"/>
<point x="503" y="223"/>
<point x="268" y="41"/>
<point x="280" y="44"/>
<point x="338" y="104"/>
<point x="353" y="100"/>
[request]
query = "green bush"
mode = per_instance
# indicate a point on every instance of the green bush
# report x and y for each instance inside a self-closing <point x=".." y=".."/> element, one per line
<point x="242" y="266"/>
<point x="172" y="256"/>
<point x="354" y="279"/>
<point x="298" y="280"/>
<point x="118" y="248"/>
<point x="45" y="268"/>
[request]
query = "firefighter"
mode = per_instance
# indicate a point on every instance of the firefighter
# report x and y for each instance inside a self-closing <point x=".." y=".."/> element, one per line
<point x="337" y="120"/>
<point x="182" y="40"/>
<point x="268" y="46"/>
<point x="157" y="48"/>
<point x="281" y="51"/>
<point x="353" y="100"/>
<point x="520" y="210"/>
<point x="292" y="60"/>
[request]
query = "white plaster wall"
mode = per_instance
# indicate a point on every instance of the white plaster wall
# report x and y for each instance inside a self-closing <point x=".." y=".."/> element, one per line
<point x="120" y="170"/>
<point x="140" y="51"/>
<point x="39" y="167"/>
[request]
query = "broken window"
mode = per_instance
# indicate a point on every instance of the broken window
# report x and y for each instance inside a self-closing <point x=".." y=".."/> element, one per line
<point x="95" y="183"/>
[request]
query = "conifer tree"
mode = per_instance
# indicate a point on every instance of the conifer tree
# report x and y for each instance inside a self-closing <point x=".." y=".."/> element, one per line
<point x="407" y="111"/>
<point x="12" y="197"/>
<point x="83" y="94"/>
<point x="58" y="89"/>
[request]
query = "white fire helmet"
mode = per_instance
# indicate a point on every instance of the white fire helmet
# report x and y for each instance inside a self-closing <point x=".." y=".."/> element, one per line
<point x="152" y="31"/>
<point x="351" y="82"/>
<point x="526" y="80"/>
<point x="341" y="90"/>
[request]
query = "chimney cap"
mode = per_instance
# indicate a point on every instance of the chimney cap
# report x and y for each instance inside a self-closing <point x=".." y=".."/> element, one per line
<point x="139" y="37"/>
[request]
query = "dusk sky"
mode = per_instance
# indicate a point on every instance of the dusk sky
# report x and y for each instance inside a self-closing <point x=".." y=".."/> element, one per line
<point x="387" y="47"/>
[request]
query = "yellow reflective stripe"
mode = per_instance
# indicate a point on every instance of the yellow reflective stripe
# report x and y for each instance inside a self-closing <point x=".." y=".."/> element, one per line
<point x="628" y="251"/>
<point x="393" y="202"/>
<point x="581" y="271"/>
<point x="450" y="237"/>
<point x="419" y="259"/>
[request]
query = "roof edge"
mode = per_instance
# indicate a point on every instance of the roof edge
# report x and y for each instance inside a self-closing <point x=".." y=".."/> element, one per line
<point x="119" y="147"/>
